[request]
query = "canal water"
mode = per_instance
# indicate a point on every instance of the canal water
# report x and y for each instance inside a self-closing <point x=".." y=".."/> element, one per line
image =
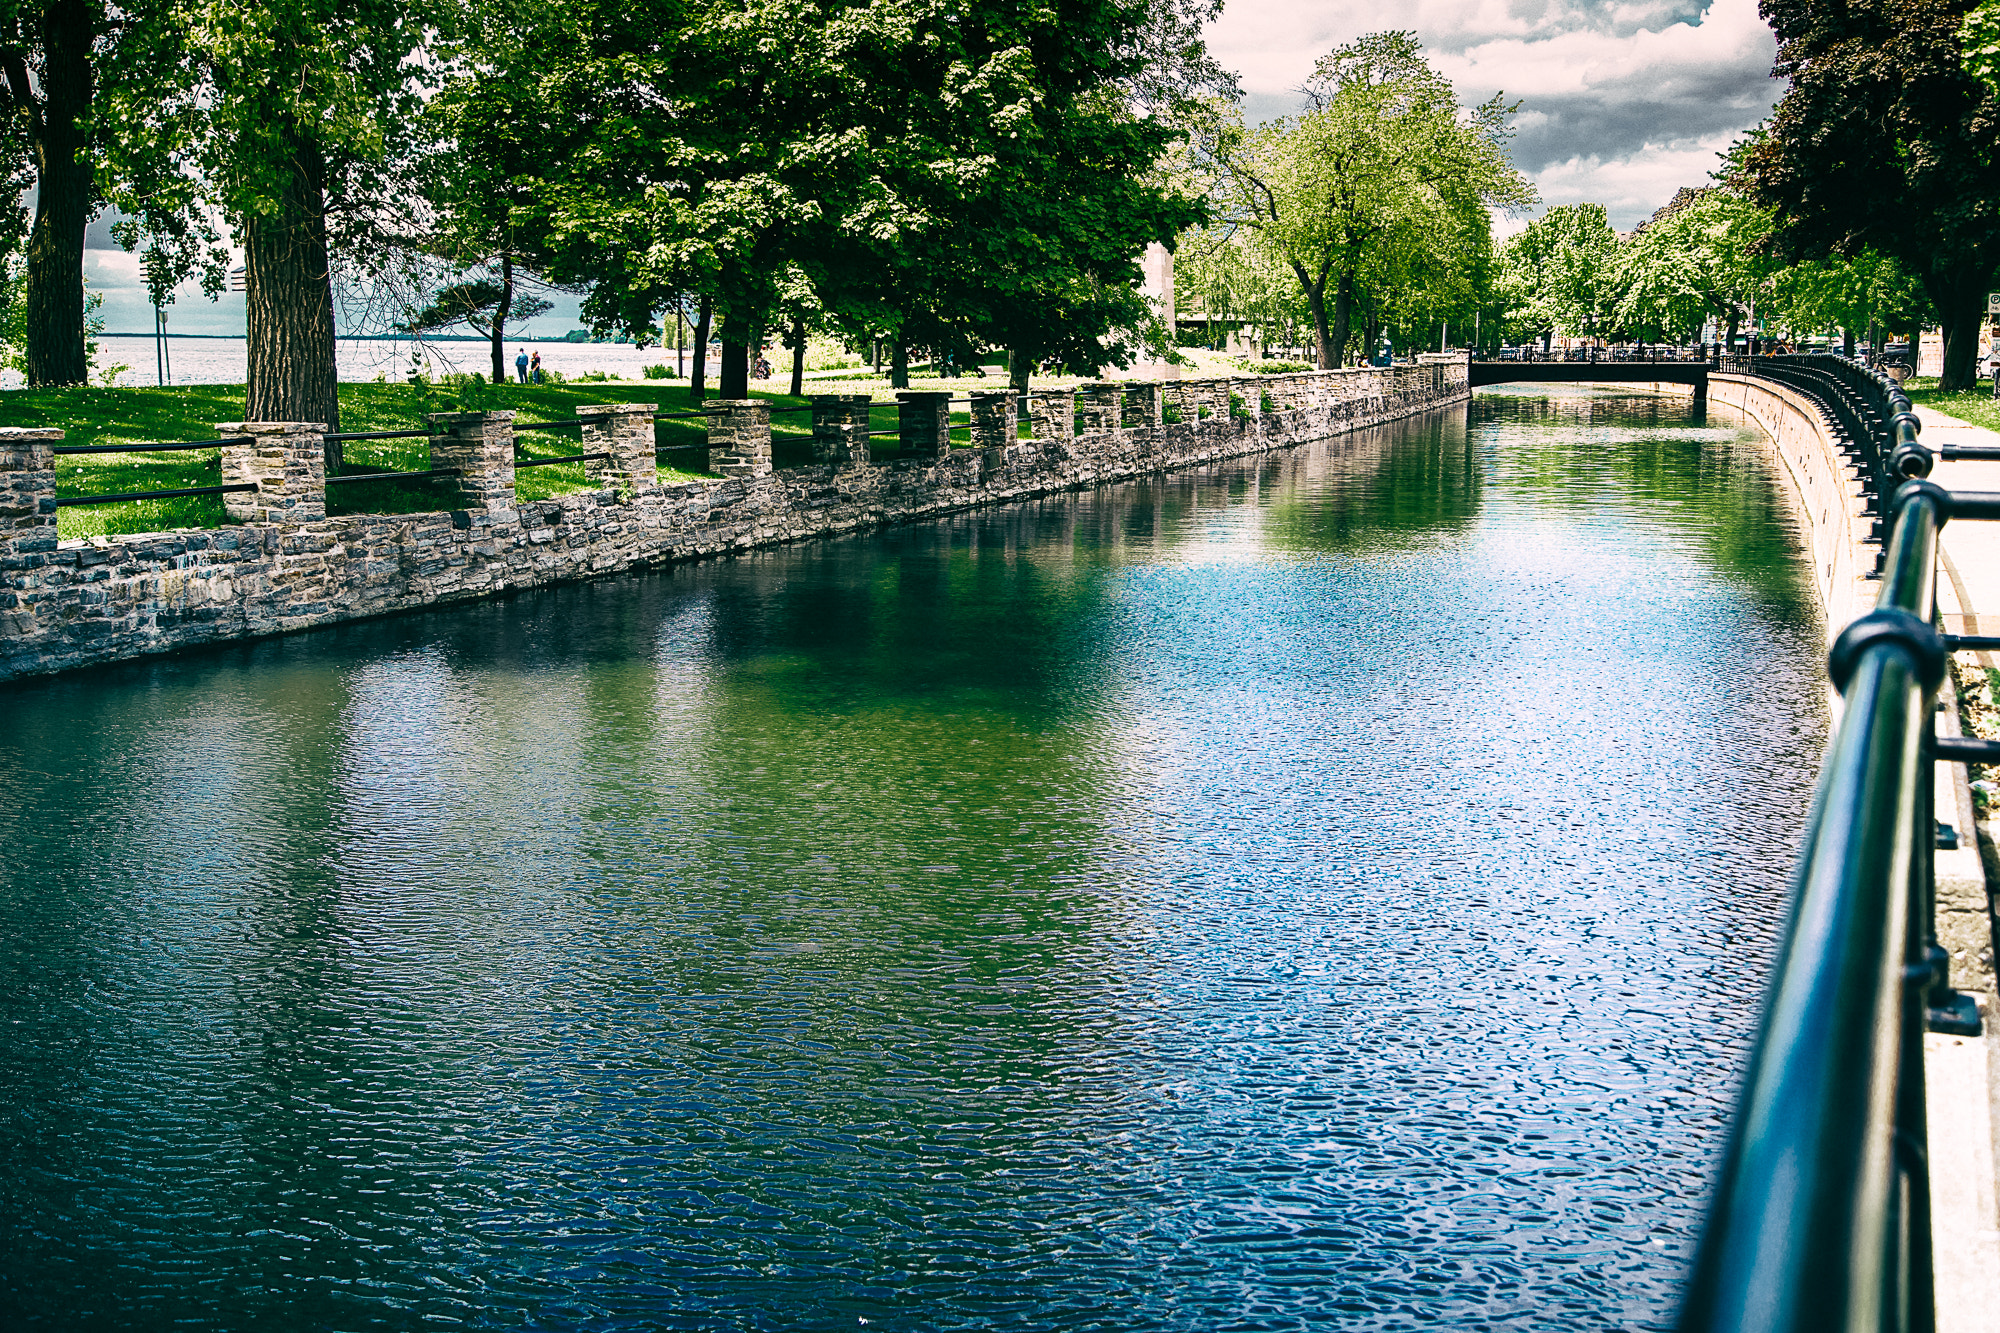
<point x="1331" y="889"/>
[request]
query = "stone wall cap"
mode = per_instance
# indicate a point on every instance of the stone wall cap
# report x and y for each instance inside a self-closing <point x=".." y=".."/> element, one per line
<point x="840" y="397"/>
<point x="918" y="395"/>
<point x="454" y="418"/>
<point x="13" y="433"/>
<point x="271" y="427"/>
<point x="609" y="409"/>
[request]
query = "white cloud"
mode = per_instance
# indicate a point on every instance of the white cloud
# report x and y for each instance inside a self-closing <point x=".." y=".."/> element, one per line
<point x="1621" y="103"/>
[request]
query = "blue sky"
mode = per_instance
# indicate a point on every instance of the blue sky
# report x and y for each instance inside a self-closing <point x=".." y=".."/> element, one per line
<point x="1622" y="104"/>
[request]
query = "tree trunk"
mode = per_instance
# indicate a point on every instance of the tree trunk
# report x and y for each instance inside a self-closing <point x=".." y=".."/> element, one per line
<point x="698" y="372"/>
<point x="1729" y="339"/>
<point x="289" y="304"/>
<point x="1019" y="365"/>
<point x="798" y="357"/>
<point x="733" y="378"/>
<point x="64" y="194"/>
<point x="1847" y="342"/>
<point x="1322" y="339"/>
<point x="899" y="365"/>
<point x="1961" y="320"/>
<point x="1343" y="313"/>
<point x="500" y="319"/>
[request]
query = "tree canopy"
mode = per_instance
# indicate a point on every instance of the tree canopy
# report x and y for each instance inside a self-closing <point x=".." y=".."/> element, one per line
<point x="1378" y="195"/>
<point x="1885" y="142"/>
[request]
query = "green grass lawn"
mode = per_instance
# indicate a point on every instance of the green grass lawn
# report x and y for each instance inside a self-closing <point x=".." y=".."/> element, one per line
<point x="116" y="416"/>
<point x="1977" y="406"/>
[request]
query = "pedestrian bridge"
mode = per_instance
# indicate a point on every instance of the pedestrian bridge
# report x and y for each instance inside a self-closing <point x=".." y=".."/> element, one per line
<point x="1651" y="371"/>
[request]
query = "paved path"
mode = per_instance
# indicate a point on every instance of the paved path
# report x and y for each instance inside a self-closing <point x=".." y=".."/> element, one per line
<point x="1969" y="592"/>
<point x="1965" y="1216"/>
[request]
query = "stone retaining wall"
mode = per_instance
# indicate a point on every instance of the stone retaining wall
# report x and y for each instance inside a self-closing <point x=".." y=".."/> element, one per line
<point x="289" y="567"/>
<point x="1824" y="485"/>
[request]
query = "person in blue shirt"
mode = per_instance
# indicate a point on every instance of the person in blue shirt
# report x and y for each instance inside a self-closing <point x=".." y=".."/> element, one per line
<point x="521" y="365"/>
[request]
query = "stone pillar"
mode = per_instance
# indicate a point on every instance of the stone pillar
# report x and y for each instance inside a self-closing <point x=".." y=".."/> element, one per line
<point x="840" y="428"/>
<point x="481" y="446"/>
<point x="28" y="490"/>
<point x="625" y="431"/>
<point x="1103" y="407"/>
<point x="739" y="437"/>
<point x="1148" y="406"/>
<point x="1197" y="399"/>
<point x="994" y="425"/>
<point x="286" y="460"/>
<point x="923" y="421"/>
<point x="1052" y="414"/>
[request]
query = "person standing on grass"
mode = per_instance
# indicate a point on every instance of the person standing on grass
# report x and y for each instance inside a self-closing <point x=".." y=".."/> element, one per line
<point x="521" y="365"/>
<point x="535" y="366"/>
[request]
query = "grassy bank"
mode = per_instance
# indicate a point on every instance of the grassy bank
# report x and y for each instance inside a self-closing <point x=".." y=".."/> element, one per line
<point x="161" y="415"/>
<point x="1977" y="406"/>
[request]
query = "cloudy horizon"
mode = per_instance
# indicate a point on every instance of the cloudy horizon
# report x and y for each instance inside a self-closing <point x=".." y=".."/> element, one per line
<point x="1620" y="104"/>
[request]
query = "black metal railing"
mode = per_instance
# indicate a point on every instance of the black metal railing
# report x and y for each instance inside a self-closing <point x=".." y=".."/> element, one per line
<point x="350" y="478"/>
<point x="1599" y="356"/>
<point x="1821" y="1218"/>
<point x="121" y="497"/>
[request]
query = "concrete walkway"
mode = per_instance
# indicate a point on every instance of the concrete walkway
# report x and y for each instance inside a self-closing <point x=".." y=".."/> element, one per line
<point x="1962" y="1075"/>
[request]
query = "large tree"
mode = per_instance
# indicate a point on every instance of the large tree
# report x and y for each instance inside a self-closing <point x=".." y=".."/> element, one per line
<point x="1702" y="256"/>
<point x="47" y="62"/>
<point x="1383" y="178"/>
<point x="1884" y="141"/>
<point x="1560" y="272"/>
<point x="285" y="117"/>
<point x="950" y="176"/>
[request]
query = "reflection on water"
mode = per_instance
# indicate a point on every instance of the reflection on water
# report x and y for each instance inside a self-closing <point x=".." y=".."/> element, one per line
<point x="1321" y="890"/>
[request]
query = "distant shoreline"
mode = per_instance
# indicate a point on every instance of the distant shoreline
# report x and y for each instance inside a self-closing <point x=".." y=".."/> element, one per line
<point x="391" y="338"/>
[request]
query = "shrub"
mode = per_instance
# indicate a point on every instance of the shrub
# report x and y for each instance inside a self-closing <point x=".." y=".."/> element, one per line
<point x="1260" y="367"/>
<point x="659" y="372"/>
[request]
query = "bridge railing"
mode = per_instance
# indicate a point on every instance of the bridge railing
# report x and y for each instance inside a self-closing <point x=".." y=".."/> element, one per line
<point x="1600" y="356"/>
<point x="1821" y="1218"/>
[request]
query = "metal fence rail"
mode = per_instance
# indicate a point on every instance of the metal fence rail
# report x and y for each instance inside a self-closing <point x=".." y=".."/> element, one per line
<point x="69" y="501"/>
<point x="1821" y="1219"/>
<point x="72" y="501"/>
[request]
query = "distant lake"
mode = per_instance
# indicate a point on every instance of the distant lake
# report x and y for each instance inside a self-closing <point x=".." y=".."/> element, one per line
<point x="222" y="360"/>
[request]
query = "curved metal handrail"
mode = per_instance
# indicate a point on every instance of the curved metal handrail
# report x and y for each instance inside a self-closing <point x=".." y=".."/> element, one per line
<point x="1821" y="1217"/>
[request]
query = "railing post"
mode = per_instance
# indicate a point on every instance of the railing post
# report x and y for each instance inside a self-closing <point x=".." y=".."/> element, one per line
<point x="286" y="460"/>
<point x="840" y="428"/>
<point x="923" y="423"/>
<point x="481" y="446"/>
<point x="739" y="437"/>
<point x="27" y="491"/>
<point x="1052" y="414"/>
<point x="994" y="425"/>
<point x="625" y="431"/>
